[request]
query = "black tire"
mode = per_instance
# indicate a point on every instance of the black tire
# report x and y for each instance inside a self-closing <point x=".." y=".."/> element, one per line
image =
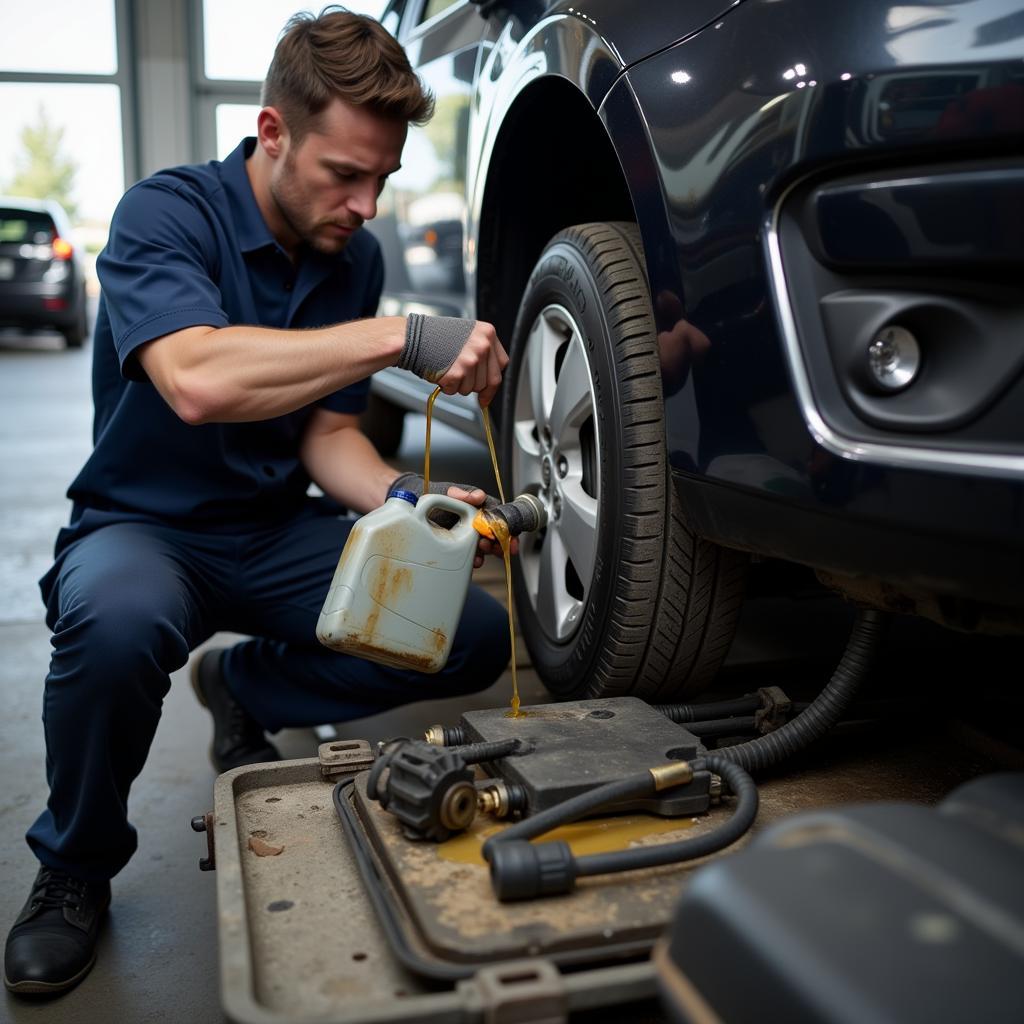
<point x="75" y="335"/>
<point x="382" y="423"/>
<point x="660" y="609"/>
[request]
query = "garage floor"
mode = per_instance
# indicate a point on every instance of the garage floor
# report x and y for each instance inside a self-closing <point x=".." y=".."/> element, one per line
<point x="158" y="959"/>
<point x="158" y="955"/>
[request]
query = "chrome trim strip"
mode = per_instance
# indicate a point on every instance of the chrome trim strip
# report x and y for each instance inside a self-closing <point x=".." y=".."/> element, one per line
<point x="902" y="456"/>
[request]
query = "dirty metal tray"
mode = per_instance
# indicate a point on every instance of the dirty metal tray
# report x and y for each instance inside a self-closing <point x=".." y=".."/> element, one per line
<point x="439" y="897"/>
<point x="299" y="939"/>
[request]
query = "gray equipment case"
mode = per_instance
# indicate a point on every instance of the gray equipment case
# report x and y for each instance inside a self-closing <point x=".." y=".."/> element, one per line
<point x="299" y="940"/>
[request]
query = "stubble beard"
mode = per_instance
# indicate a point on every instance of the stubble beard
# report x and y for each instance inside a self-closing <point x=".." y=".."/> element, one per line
<point x="290" y="206"/>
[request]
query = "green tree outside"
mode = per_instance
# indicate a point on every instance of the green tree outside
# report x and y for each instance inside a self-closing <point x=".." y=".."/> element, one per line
<point x="42" y="171"/>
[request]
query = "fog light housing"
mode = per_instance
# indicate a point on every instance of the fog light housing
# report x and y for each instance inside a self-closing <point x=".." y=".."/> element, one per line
<point x="894" y="358"/>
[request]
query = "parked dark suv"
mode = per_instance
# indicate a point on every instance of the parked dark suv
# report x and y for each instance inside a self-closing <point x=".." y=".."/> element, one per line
<point x="42" y="283"/>
<point x="759" y="267"/>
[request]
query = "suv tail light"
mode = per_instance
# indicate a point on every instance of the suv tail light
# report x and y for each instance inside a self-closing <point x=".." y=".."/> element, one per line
<point x="62" y="249"/>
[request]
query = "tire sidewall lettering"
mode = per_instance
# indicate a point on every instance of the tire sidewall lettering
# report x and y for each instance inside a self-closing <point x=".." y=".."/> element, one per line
<point x="559" y="267"/>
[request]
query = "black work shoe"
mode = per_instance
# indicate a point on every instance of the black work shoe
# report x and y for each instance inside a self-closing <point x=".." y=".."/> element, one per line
<point x="237" y="737"/>
<point x="52" y="945"/>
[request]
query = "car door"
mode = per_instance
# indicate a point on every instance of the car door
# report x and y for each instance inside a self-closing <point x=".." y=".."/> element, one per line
<point x="422" y="216"/>
<point x="422" y="212"/>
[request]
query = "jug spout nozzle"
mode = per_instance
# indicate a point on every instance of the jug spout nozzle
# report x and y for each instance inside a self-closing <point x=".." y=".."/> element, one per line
<point x="524" y="514"/>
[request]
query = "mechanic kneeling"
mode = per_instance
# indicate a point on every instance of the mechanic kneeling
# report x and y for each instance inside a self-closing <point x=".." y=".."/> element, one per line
<point x="191" y="514"/>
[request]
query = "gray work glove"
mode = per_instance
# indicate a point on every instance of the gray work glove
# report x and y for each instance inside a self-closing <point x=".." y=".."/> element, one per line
<point x="413" y="482"/>
<point x="432" y="344"/>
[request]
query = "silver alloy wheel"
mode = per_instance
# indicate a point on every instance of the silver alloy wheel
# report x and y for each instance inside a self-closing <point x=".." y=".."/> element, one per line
<point x="556" y="456"/>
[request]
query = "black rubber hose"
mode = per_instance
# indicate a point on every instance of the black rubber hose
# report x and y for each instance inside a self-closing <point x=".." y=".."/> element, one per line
<point x="522" y="514"/>
<point x="521" y="870"/>
<point x="684" y="713"/>
<point x="826" y="709"/>
<point x="723" y="727"/>
<point x="875" y="709"/>
<point x="743" y="815"/>
<point x="641" y="784"/>
<point x="474" y="753"/>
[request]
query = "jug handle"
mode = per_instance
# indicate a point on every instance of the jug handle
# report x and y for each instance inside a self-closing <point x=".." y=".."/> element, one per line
<point x="428" y="502"/>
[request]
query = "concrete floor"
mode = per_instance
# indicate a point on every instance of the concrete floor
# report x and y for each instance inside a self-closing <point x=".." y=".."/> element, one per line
<point x="158" y="953"/>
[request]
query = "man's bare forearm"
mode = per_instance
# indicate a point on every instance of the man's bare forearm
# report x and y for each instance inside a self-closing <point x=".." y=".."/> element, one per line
<point x="237" y="374"/>
<point x="343" y="462"/>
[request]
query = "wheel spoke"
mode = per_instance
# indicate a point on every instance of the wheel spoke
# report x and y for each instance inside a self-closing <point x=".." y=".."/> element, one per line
<point x="573" y="401"/>
<point x="530" y="554"/>
<point x="526" y="474"/>
<point x="550" y="581"/>
<point x="537" y="360"/>
<point x="577" y="528"/>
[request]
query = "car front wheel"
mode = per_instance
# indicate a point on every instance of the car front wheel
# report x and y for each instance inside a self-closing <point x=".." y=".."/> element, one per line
<point x="616" y="595"/>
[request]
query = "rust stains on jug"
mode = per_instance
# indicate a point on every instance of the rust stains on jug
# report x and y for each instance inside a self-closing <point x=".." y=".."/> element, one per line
<point x="350" y="545"/>
<point x="389" y="580"/>
<point x="406" y="659"/>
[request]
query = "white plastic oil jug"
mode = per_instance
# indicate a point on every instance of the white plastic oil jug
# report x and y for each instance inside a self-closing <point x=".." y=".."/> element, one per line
<point x="401" y="582"/>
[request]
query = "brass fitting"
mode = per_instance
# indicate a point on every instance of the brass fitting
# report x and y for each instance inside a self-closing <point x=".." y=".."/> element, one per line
<point x="675" y="773"/>
<point x="493" y="799"/>
<point x="435" y="735"/>
<point x="458" y="806"/>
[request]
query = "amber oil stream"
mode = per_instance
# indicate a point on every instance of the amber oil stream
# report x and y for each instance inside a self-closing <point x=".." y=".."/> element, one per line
<point x="492" y="527"/>
<point x="426" y="442"/>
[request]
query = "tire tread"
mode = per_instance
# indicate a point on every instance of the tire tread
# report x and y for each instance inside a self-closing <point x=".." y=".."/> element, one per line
<point x="676" y="596"/>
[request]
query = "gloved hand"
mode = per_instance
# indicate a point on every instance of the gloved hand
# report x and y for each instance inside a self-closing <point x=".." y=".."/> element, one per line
<point x="461" y="356"/>
<point x="433" y="343"/>
<point x="413" y="482"/>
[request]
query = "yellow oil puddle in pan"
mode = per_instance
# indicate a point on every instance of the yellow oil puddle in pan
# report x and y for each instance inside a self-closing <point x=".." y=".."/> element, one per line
<point x="598" y="835"/>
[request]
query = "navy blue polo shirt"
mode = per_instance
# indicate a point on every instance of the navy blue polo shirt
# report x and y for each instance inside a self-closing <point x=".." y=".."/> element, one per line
<point x="189" y="247"/>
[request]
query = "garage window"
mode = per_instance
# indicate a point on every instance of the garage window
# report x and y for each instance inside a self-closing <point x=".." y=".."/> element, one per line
<point x="85" y="45"/>
<point x="64" y="101"/>
<point x="236" y="43"/>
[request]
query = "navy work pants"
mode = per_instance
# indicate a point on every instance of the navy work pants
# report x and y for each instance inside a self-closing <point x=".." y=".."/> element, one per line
<point x="129" y="601"/>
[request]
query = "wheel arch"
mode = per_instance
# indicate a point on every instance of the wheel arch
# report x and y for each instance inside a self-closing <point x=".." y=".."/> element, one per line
<point x="552" y="165"/>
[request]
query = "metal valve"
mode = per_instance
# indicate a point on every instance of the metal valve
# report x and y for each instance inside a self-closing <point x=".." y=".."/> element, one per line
<point x="524" y="514"/>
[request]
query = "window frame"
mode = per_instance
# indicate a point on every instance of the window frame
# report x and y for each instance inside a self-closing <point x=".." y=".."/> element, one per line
<point x="123" y="78"/>
<point x="209" y="93"/>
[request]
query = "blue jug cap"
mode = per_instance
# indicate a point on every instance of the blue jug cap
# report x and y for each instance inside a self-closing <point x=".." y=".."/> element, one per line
<point x="404" y="495"/>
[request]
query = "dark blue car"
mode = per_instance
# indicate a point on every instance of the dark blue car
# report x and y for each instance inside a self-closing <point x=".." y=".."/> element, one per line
<point x="760" y="269"/>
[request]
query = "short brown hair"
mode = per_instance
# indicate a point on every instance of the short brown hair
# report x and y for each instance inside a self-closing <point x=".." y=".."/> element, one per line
<point x="344" y="55"/>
